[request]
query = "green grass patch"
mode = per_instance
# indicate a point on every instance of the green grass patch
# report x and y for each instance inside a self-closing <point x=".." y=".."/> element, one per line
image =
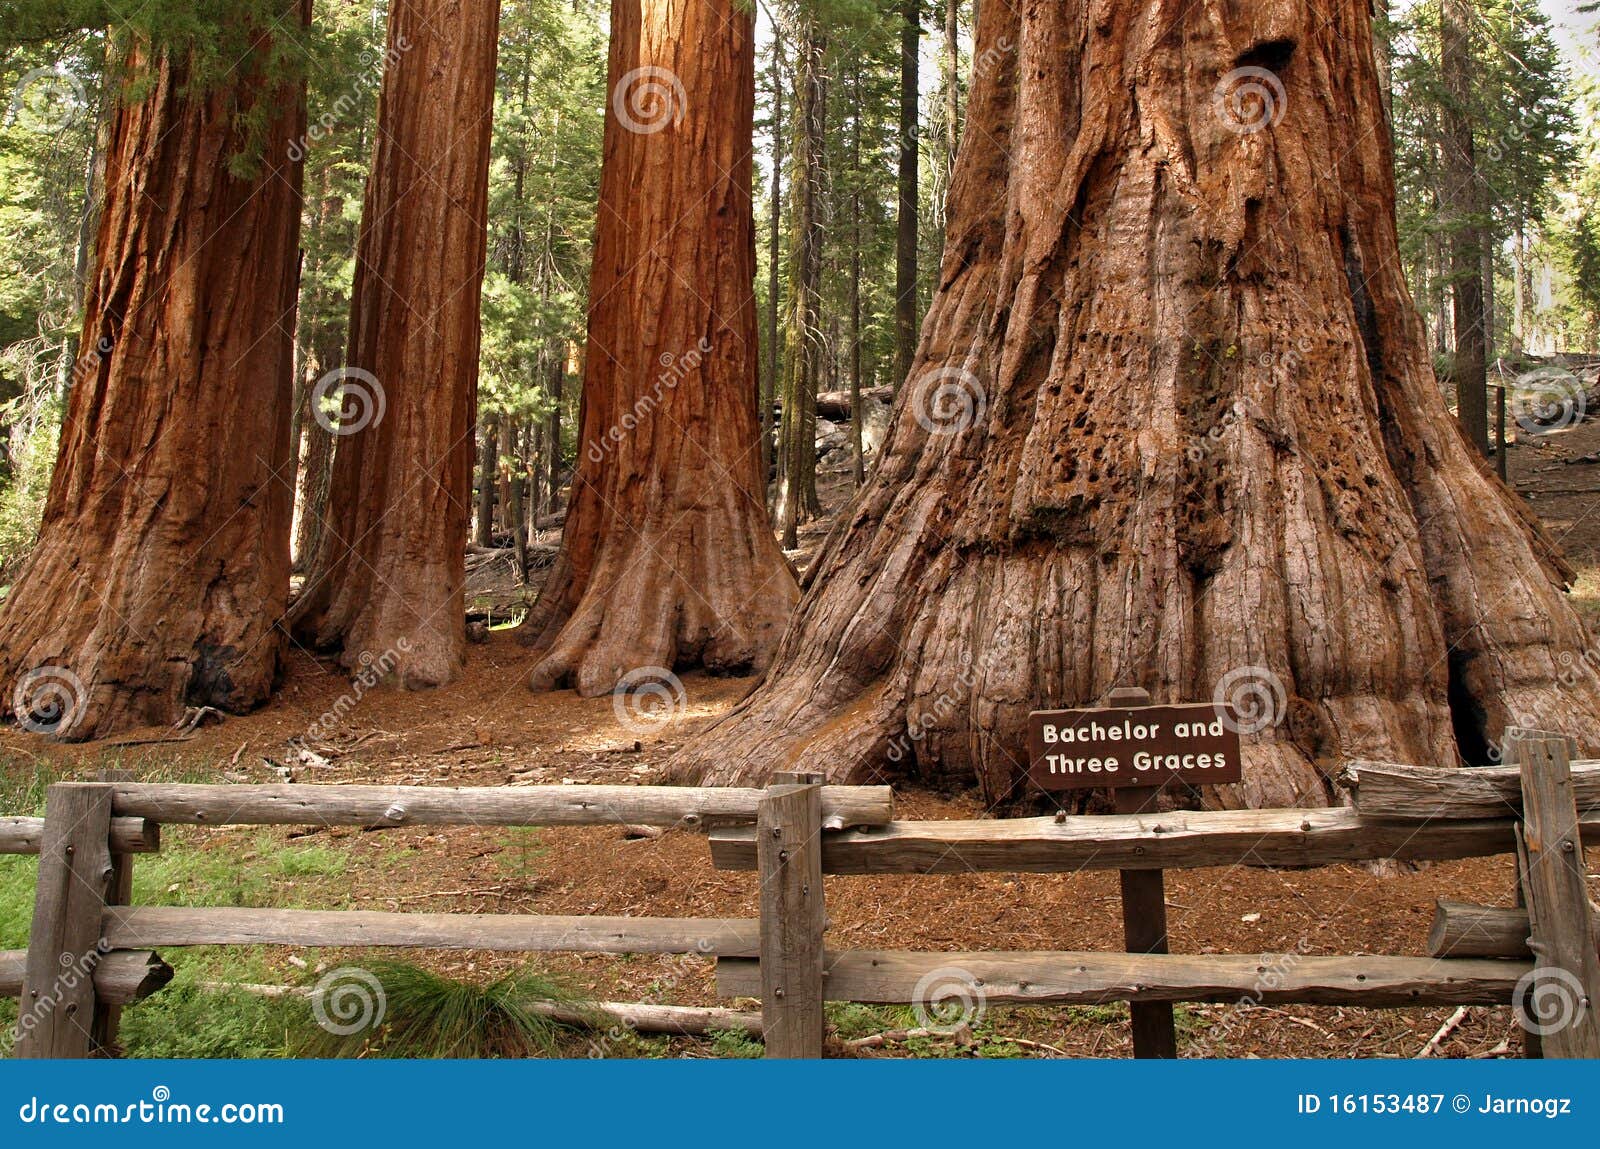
<point x="410" y="1012"/>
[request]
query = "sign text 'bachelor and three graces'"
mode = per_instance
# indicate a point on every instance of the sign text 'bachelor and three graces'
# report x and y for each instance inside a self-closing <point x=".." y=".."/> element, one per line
<point x="1133" y="746"/>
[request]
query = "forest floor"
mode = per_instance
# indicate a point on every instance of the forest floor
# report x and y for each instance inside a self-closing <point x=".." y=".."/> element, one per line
<point x="486" y="729"/>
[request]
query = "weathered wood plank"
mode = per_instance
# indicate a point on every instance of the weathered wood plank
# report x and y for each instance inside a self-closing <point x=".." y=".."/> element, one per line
<point x="1461" y="929"/>
<point x="164" y="926"/>
<point x="119" y="892"/>
<point x="1387" y="790"/>
<point x="1177" y="840"/>
<point x="121" y="977"/>
<point x="793" y="918"/>
<point x="1093" y="978"/>
<point x="389" y="806"/>
<point x="1144" y="930"/>
<point x="128" y="836"/>
<point x="56" y="1011"/>
<point x="1562" y="1007"/>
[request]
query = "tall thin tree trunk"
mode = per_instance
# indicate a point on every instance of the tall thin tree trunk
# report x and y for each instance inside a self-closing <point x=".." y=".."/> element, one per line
<point x="390" y="575"/>
<point x="769" y="386"/>
<point x="162" y="566"/>
<point x="905" y="266"/>
<point x="1463" y="200"/>
<point x="1522" y="288"/>
<point x="488" y="477"/>
<point x="797" y="500"/>
<point x="857" y="462"/>
<point x="1213" y="462"/>
<point x="666" y="559"/>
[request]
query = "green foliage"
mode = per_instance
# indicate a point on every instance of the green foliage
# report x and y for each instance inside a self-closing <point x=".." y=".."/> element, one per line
<point x="427" y="1015"/>
<point x="1522" y="116"/>
<point x="22" y="496"/>
<point x="544" y="183"/>
<point x="183" y="1021"/>
<point x="735" y="1045"/>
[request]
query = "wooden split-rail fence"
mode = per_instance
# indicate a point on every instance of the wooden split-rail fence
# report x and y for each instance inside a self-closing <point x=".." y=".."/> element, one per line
<point x="90" y="953"/>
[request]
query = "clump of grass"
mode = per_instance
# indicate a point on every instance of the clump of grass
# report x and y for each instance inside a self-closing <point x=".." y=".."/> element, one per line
<point x="427" y="1015"/>
<point x="733" y="1044"/>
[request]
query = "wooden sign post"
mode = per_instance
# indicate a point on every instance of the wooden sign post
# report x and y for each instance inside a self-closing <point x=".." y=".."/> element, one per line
<point x="1136" y="749"/>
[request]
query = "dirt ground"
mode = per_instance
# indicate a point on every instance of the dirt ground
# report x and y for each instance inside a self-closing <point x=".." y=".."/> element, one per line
<point x="489" y="730"/>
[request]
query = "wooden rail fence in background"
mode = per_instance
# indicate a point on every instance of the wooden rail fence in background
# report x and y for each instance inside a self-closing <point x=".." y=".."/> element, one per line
<point x="797" y="830"/>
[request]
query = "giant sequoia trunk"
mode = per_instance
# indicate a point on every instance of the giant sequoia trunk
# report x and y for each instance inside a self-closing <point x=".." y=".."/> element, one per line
<point x="388" y="576"/>
<point x="1172" y="424"/>
<point x="667" y="558"/>
<point x="162" y="567"/>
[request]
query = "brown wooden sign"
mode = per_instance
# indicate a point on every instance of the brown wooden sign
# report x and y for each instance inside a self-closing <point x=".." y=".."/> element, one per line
<point x="1133" y="746"/>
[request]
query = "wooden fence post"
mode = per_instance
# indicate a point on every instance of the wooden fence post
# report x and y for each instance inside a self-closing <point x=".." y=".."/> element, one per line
<point x="55" y="1017"/>
<point x="1550" y="854"/>
<point x="1144" y="912"/>
<point x="793" y="917"/>
<point x="119" y="892"/>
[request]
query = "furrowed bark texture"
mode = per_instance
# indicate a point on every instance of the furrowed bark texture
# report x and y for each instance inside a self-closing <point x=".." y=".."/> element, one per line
<point x="162" y="568"/>
<point x="387" y="581"/>
<point x="1172" y="424"/>
<point x="667" y="558"/>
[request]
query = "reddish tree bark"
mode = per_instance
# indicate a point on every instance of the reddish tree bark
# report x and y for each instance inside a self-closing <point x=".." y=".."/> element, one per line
<point x="1172" y="425"/>
<point x="389" y="575"/>
<point x="667" y="558"/>
<point x="162" y="567"/>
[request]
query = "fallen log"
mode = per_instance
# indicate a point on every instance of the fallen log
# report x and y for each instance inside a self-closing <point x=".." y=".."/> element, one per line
<point x="682" y="1020"/>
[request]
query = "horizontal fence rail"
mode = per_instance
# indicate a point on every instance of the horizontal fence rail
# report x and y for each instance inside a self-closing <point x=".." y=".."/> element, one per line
<point x="1418" y="793"/>
<point x="128" y="835"/>
<point x="156" y="926"/>
<point x="120" y="977"/>
<point x="393" y="806"/>
<point x="1170" y="841"/>
<point x="1064" y="978"/>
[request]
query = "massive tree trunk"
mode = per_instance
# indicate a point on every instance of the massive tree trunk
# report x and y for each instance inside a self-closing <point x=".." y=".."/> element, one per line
<point x="162" y="567"/>
<point x="667" y="559"/>
<point x="1172" y="425"/>
<point x="389" y="575"/>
